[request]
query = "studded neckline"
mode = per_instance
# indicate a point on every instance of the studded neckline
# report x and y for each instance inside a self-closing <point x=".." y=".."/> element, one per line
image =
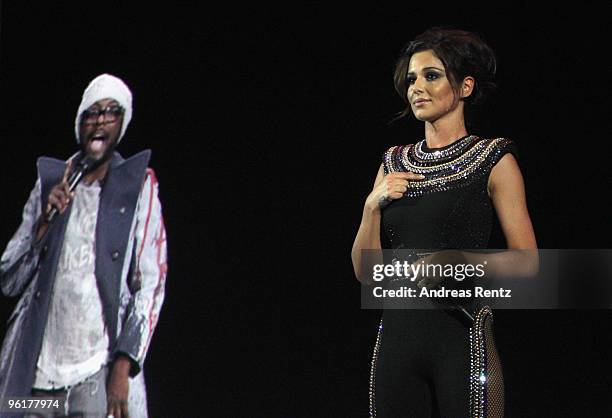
<point x="425" y="148"/>
<point x="461" y="163"/>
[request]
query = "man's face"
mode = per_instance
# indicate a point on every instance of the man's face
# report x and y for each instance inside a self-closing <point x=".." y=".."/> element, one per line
<point x="100" y="127"/>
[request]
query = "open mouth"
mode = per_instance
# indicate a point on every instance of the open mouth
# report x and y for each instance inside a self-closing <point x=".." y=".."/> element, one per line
<point x="97" y="141"/>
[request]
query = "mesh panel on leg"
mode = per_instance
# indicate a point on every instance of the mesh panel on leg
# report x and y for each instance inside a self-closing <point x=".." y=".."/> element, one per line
<point x="495" y="378"/>
<point x="486" y="379"/>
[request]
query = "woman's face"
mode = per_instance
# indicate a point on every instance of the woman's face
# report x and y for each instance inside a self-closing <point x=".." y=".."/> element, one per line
<point x="430" y="93"/>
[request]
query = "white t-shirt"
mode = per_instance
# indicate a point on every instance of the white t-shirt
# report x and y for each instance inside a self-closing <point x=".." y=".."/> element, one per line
<point x="75" y="343"/>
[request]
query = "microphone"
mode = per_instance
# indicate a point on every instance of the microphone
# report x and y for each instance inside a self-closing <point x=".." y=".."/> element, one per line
<point x="83" y="167"/>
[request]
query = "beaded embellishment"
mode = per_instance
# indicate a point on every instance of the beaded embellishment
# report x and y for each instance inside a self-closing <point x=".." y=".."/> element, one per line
<point x="464" y="162"/>
<point x="373" y="372"/>
<point x="478" y="365"/>
<point x="451" y="151"/>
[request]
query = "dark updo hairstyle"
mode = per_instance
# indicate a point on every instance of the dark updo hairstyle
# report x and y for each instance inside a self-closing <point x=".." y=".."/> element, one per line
<point x="462" y="53"/>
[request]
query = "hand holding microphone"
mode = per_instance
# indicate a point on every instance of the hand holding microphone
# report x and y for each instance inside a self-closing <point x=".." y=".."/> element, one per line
<point x="60" y="196"/>
<point x="63" y="192"/>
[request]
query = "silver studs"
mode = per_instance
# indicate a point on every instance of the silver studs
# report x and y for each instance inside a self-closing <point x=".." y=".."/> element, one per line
<point x="372" y="394"/>
<point x="464" y="163"/>
<point x="478" y="364"/>
<point x="455" y="148"/>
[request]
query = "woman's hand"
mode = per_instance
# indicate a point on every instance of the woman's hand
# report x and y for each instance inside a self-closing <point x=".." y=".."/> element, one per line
<point x="391" y="187"/>
<point x="386" y="188"/>
<point x="441" y="261"/>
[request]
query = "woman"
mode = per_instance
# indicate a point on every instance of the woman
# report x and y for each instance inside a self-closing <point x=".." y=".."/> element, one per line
<point x="439" y="193"/>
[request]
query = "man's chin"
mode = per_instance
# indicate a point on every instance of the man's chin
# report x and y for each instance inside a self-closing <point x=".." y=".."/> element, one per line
<point x="99" y="155"/>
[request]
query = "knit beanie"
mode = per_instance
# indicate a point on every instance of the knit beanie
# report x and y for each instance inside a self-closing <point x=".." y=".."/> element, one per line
<point x="106" y="86"/>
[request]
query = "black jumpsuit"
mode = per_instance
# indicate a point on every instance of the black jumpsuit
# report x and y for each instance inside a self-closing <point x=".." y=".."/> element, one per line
<point x="429" y="363"/>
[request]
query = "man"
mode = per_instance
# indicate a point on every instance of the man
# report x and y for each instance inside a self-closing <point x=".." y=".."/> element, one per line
<point x="91" y="281"/>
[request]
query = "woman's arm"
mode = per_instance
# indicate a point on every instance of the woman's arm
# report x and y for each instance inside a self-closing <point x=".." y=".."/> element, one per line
<point x="368" y="235"/>
<point x="386" y="188"/>
<point x="507" y="192"/>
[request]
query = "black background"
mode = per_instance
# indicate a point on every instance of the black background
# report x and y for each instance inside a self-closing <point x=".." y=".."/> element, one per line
<point x="267" y="128"/>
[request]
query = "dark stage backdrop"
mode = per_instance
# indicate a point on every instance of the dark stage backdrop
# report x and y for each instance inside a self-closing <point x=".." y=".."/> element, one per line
<point x="267" y="129"/>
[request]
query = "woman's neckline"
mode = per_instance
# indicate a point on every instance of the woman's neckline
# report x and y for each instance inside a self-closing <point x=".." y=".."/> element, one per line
<point x="425" y="148"/>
